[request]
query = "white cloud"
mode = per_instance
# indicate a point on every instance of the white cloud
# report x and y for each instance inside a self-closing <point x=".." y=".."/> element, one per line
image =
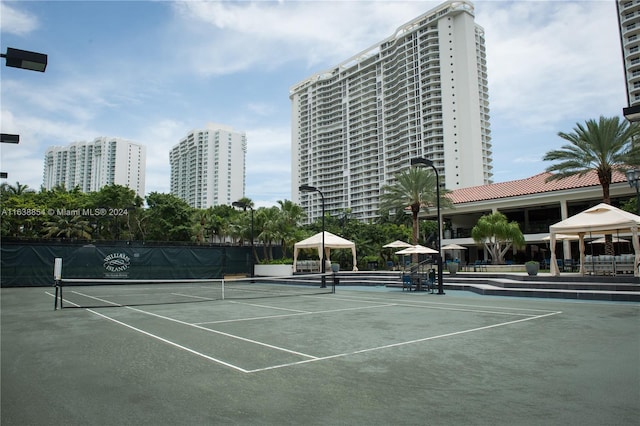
<point x="15" y="21"/>
<point x="239" y="35"/>
<point x="550" y="61"/>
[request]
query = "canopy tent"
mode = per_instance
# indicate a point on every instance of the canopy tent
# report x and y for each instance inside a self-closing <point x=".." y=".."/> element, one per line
<point x="602" y="219"/>
<point x="331" y="241"/>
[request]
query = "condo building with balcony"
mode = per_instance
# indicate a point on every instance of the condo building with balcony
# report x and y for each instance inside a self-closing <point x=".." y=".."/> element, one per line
<point x="92" y="165"/>
<point x="422" y="92"/>
<point x="629" y="23"/>
<point x="208" y="166"/>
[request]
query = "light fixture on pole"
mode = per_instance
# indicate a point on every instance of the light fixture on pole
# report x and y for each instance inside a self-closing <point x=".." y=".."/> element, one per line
<point x="633" y="177"/>
<point x="8" y="138"/>
<point x="323" y="267"/>
<point x="429" y="163"/>
<point x="244" y="206"/>
<point x="24" y="59"/>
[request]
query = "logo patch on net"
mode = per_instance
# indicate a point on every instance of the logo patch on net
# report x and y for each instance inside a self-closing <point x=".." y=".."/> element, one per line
<point x="117" y="262"/>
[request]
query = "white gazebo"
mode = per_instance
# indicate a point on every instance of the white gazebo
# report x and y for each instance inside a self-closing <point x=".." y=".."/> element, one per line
<point x="602" y="219"/>
<point x="331" y="241"/>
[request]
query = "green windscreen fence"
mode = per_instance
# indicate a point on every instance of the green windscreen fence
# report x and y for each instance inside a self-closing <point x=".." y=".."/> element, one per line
<point x="32" y="264"/>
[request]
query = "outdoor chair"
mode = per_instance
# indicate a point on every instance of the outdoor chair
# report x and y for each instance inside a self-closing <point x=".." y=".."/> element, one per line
<point x="569" y="265"/>
<point x="480" y="265"/>
<point x="429" y="282"/>
<point x="407" y="282"/>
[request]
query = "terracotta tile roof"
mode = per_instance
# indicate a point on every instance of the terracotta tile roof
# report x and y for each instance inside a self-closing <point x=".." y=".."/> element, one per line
<point x="532" y="185"/>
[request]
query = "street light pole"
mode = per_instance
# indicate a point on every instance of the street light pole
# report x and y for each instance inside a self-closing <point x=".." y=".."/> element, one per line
<point x="429" y="163"/>
<point x="323" y="267"/>
<point x="26" y="60"/>
<point x="245" y="206"/>
<point x="633" y="177"/>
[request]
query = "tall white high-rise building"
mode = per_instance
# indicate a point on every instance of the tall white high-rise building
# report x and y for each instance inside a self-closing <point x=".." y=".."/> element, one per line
<point x="629" y="23"/>
<point x="92" y="165"/>
<point x="208" y="166"/>
<point x="422" y="92"/>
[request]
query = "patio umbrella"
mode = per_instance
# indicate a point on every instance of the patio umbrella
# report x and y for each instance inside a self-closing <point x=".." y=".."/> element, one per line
<point x="615" y="240"/>
<point x="453" y="247"/>
<point x="417" y="249"/>
<point x="397" y="244"/>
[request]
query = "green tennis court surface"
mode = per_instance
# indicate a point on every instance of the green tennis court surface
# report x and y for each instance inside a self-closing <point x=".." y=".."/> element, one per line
<point x="357" y="357"/>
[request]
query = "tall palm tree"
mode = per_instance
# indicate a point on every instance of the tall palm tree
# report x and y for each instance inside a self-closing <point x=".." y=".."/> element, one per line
<point x="604" y="145"/>
<point x="291" y="215"/>
<point x="414" y="187"/>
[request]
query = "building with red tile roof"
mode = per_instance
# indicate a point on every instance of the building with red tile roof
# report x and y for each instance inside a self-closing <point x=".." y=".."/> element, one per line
<point x="533" y="202"/>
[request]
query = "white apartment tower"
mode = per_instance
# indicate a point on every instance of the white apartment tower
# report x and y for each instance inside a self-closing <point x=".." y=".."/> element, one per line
<point x="92" y="165"/>
<point x="208" y="166"/>
<point x="422" y="92"/>
<point x="629" y="22"/>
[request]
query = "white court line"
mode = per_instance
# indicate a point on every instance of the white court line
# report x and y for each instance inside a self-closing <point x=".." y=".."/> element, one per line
<point x="169" y="342"/>
<point x="310" y="357"/>
<point x="98" y="299"/>
<point x="270" y="307"/>
<point x="244" y="339"/>
<point x="426" y="303"/>
<point x="394" y="345"/>
<point x="293" y="315"/>
<point x="194" y="297"/>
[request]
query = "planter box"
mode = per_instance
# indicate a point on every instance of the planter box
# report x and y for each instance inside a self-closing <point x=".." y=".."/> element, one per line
<point x="281" y="270"/>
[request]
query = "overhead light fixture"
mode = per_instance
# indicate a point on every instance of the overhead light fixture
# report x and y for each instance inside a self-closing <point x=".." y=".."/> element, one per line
<point x="7" y="138"/>
<point x="24" y="59"/>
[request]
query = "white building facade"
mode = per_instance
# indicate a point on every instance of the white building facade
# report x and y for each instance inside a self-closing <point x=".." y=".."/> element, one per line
<point x="92" y="165"/>
<point x="423" y="92"/>
<point x="208" y="166"/>
<point x="629" y="22"/>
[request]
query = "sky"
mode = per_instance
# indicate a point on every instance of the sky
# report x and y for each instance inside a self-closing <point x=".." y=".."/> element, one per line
<point x="152" y="71"/>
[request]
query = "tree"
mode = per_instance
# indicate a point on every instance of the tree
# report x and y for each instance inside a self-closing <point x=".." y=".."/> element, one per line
<point x="604" y="145"/>
<point x="291" y="215"/>
<point x="497" y="235"/>
<point x="414" y="188"/>
<point x="17" y="189"/>
<point x="121" y="206"/>
<point x="168" y="218"/>
<point x="68" y="227"/>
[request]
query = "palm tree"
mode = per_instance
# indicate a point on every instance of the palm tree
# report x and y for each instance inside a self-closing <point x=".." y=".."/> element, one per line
<point x="414" y="188"/>
<point x="201" y="219"/>
<point x="498" y="235"/>
<point x="604" y="145"/>
<point x="68" y="227"/>
<point x="18" y="189"/>
<point x="291" y="215"/>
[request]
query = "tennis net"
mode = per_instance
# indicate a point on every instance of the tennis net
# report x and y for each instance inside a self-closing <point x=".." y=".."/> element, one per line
<point x="94" y="293"/>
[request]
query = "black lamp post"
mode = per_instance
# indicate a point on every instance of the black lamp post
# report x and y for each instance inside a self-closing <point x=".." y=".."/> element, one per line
<point x="24" y="59"/>
<point x="323" y="267"/>
<point x="633" y="177"/>
<point x="429" y="163"/>
<point x="245" y="206"/>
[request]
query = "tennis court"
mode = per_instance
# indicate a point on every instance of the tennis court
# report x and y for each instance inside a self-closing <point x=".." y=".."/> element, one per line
<point x="359" y="356"/>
